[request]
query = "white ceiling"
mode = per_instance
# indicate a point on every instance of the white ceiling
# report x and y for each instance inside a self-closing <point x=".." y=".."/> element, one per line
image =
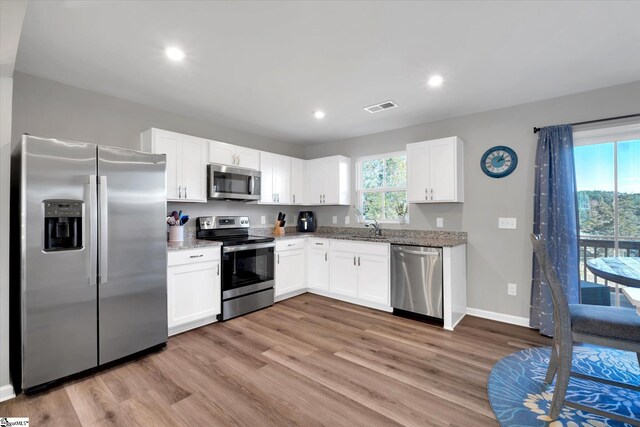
<point x="266" y="66"/>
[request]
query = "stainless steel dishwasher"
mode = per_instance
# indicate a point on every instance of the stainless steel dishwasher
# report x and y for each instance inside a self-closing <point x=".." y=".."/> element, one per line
<point x="416" y="280"/>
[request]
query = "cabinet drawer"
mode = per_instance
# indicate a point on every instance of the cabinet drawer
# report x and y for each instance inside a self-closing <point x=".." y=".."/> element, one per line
<point x="289" y="244"/>
<point x="360" y="247"/>
<point x="318" y="243"/>
<point x="189" y="256"/>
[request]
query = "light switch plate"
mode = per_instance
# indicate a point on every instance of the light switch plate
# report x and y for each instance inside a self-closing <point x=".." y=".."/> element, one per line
<point x="347" y="220"/>
<point x="508" y="223"/>
<point x="512" y="289"/>
<point x="263" y="220"/>
<point x="439" y="222"/>
<point x="335" y="219"/>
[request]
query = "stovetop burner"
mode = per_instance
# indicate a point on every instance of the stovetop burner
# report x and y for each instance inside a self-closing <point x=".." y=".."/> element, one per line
<point x="230" y="230"/>
<point x="238" y="240"/>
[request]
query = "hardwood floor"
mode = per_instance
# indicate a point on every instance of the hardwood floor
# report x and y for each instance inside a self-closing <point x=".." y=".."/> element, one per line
<point x="306" y="361"/>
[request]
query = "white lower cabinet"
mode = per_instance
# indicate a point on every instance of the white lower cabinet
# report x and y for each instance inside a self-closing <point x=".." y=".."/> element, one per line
<point x="318" y="264"/>
<point x="373" y="278"/>
<point x="193" y="288"/>
<point x="361" y="271"/>
<point x="344" y="273"/>
<point x="290" y="267"/>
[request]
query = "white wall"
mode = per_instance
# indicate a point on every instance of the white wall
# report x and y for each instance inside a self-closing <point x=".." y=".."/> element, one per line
<point x="495" y="257"/>
<point x="11" y="18"/>
<point x="6" y="88"/>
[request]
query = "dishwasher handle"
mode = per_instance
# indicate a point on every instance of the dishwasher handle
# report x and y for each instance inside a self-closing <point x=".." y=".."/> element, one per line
<point x="419" y="253"/>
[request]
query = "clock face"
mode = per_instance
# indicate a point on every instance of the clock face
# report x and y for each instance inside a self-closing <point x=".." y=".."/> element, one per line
<point x="498" y="162"/>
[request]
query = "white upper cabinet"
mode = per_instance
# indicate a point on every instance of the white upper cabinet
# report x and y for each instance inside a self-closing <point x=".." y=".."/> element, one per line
<point x="328" y="181"/>
<point x="186" y="163"/>
<point x="276" y="178"/>
<point x="222" y="153"/>
<point x="435" y="171"/>
<point x="298" y="169"/>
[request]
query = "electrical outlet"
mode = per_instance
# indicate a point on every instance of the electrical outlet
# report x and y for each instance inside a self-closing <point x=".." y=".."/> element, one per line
<point x="512" y="289"/>
<point x="263" y="220"/>
<point x="509" y="223"/>
<point x="347" y="220"/>
<point x="439" y="222"/>
<point x="335" y="219"/>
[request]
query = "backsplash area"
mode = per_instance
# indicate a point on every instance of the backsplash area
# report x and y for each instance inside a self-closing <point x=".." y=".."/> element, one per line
<point x="421" y="217"/>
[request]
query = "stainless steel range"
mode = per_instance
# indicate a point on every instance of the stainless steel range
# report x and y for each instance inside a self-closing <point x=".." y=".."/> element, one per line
<point x="247" y="264"/>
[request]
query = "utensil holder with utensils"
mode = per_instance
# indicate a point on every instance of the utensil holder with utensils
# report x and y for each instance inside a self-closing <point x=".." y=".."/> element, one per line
<point x="176" y="233"/>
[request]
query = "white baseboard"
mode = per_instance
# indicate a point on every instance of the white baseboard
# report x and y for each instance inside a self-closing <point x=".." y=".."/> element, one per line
<point x="6" y="392"/>
<point x="499" y="317"/>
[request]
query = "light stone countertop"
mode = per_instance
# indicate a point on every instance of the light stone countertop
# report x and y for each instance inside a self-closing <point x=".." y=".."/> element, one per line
<point x="190" y="242"/>
<point x="430" y="238"/>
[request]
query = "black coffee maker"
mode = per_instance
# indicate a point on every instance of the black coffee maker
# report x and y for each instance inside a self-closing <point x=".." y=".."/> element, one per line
<point x="306" y="222"/>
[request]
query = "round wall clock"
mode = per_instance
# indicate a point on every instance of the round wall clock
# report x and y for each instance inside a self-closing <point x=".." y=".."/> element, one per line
<point x="499" y="161"/>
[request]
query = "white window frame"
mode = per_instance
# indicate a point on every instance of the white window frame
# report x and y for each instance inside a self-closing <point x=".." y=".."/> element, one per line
<point x="360" y="191"/>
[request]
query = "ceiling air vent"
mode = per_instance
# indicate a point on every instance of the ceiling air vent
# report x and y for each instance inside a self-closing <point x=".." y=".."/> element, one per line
<point x="381" y="107"/>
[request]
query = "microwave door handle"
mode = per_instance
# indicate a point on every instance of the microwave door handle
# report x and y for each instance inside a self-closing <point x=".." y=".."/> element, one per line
<point x="252" y="185"/>
<point x="104" y="230"/>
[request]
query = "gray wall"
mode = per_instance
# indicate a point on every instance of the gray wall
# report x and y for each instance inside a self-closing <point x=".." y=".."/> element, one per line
<point x="495" y="257"/>
<point x="50" y="109"/>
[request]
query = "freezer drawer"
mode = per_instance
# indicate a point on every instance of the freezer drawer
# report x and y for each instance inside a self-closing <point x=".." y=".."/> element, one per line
<point x="416" y="280"/>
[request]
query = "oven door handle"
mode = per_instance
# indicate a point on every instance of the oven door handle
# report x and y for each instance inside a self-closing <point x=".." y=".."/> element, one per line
<point x="227" y="249"/>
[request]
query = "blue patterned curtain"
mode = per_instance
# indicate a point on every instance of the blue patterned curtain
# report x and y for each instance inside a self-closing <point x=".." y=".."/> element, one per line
<point x="555" y="217"/>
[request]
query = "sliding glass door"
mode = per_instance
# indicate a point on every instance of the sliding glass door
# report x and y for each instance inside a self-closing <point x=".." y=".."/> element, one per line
<point x="608" y="184"/>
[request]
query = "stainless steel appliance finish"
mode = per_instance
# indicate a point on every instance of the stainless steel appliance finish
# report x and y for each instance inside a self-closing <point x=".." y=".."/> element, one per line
<point x="88" y="304"/>
<point x="416" y="280"/>
<point x="231" y="183"/>
<point x="133" y="252"/>
<point x="247" y="264"/>
<point x="246" y="304"/>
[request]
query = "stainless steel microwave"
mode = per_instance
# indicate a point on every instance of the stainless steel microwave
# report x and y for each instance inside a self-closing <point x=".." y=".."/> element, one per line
<point x="232" y="183"/>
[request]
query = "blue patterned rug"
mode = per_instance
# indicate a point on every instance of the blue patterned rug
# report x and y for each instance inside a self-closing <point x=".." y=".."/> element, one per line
<point x="519" y="398"/>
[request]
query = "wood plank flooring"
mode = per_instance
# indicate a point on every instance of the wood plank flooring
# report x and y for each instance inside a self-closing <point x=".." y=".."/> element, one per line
<point x="306" y="361"/>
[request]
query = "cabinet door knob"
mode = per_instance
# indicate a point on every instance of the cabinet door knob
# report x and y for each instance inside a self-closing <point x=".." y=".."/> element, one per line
<point x="325" y="256"/>
<point x="238" y="159"/>
<point x="294" y="198"/>
<point x="179" y="191"/>
<point x="432" y="194"/>
<point x="278" y="258"/>
<point x="426" y="194"/>
<point x="358" y="261"/>
<point x="185" y="192"/>
<point x="218" y="272"/>
<point x="354" y="260"/>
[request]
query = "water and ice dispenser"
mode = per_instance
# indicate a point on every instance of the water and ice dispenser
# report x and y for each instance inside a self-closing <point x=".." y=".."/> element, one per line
<point x="62" y="225"/>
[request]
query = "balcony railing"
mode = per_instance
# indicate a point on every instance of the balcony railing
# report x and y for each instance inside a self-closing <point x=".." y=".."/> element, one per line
<point x="603" y="246"/>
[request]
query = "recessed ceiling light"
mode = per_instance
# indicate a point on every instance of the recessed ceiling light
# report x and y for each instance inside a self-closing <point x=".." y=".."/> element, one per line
<point x="318" y="114"/>
<point x="174" y="54"/>
<point x="435" y="80"/>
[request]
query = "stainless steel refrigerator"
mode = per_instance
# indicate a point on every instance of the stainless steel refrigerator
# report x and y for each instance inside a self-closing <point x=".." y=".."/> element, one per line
<point x="90" y="285"/>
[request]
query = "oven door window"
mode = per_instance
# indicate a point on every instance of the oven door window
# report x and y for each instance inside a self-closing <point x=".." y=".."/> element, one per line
<point x="231" y="183"/>
<point x="245" y="268"/>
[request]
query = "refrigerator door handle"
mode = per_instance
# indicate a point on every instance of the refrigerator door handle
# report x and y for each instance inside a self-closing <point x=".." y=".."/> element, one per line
<point x="104" y="230"/>
<point x="93" y="230"/>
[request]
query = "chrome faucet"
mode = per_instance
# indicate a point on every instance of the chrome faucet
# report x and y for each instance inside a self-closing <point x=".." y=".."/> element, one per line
<point x="376" y="226"/>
